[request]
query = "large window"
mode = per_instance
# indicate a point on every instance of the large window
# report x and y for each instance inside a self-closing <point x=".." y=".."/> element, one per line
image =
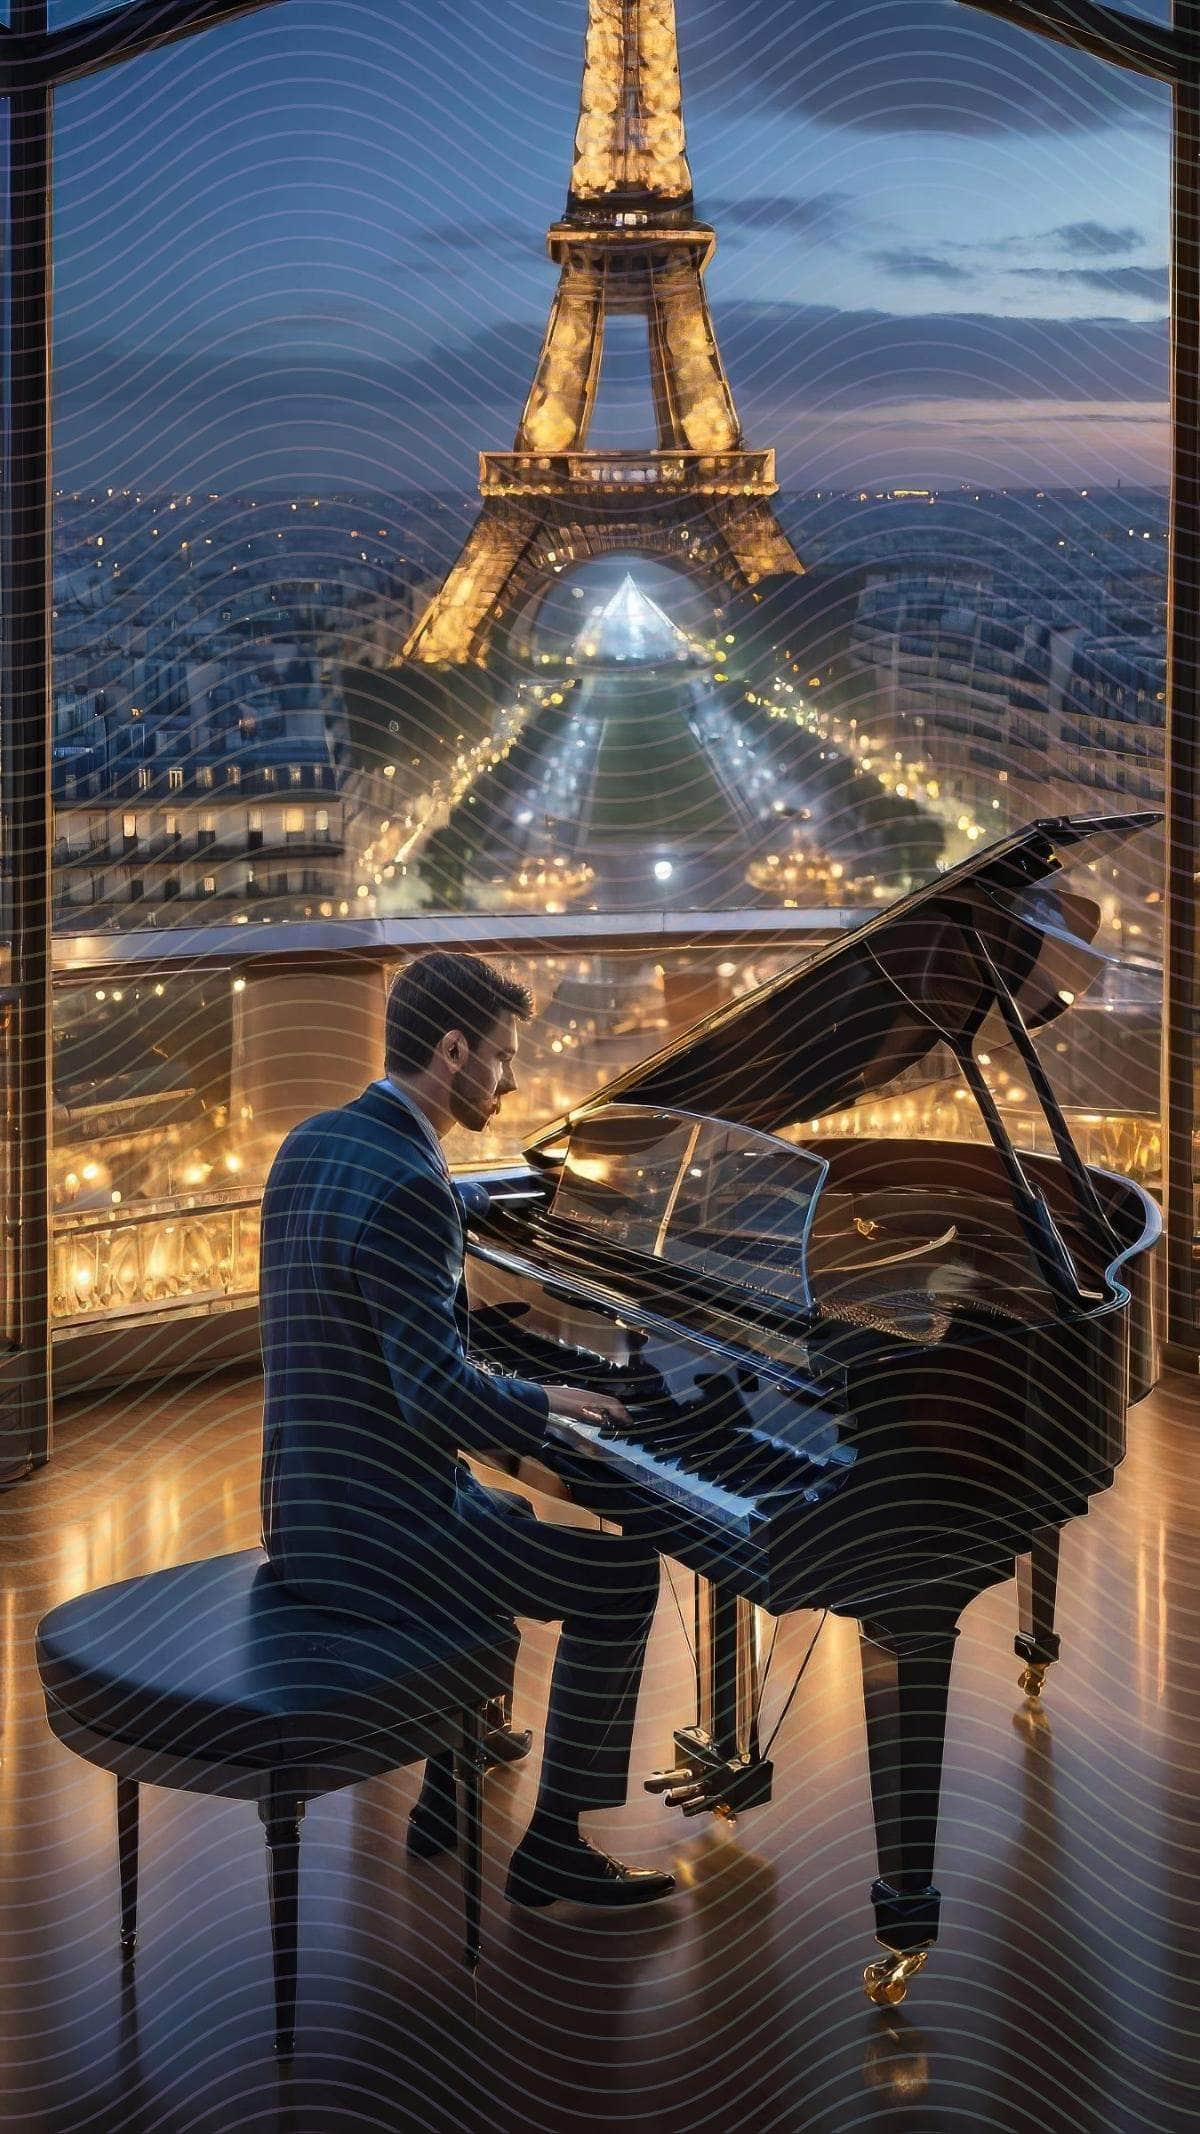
<point x="281" y="340"/>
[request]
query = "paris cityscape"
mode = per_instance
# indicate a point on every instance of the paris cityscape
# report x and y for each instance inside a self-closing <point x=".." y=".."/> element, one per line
<point x="634" y="670"/>
<point x="238" y="744"/>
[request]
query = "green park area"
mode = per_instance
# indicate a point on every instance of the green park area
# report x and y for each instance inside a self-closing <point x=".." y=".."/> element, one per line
<point x="653" y="778"/>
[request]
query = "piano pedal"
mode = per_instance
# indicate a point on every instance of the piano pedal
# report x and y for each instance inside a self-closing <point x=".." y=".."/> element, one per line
<point x="663" y="1781"/>
<point x="717" y="1786"/>
<point x="693" y="1798"/>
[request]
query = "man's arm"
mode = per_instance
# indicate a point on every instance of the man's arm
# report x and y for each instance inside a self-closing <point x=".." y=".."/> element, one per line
<point x="406" y="1262"/>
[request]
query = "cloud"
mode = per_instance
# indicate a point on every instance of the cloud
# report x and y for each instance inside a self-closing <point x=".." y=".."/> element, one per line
<point x="911" y="264"/>
<point x="887" y="66"/>
<point x="1152" y="285"/>
<point x="447" y="247"/>
<point x="352" y="422"/>
<point x="872" y="358"/>
<point x="822" y="215"/>
<point x="478" y="235"/>
<point x="825" y="355"/>
<point x="1147" y="285"/>
<point x="1086" y="239"/>
<point x="1079" y="240"/>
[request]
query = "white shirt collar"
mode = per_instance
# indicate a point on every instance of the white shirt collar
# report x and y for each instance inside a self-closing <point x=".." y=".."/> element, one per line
<point x="422" y="1118"/>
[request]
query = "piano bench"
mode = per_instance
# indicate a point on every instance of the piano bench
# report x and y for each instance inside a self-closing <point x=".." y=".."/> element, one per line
<point x="214" y="1678"/>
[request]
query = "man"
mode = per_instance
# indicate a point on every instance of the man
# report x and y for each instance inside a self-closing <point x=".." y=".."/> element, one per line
<point x="370" y="1396"/>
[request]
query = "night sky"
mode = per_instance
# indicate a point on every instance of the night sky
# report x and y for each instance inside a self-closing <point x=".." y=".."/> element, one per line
<point x="309" y="249"/>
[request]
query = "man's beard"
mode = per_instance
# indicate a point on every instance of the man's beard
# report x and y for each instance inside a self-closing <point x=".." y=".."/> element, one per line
<point x="474" y="1113"/>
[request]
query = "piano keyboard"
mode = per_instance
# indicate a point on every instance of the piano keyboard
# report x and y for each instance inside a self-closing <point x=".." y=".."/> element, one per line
<point x="662" y="1476"/>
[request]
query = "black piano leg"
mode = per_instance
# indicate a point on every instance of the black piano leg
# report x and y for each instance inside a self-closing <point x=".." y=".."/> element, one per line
<point x="906" y="1678"/>
<point x="1037" y="1585"/>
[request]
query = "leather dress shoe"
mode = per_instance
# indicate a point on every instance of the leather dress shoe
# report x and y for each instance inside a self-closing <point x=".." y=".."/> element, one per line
<point x="432" y="1828"/>
<point x="506" y="1744"/>
<point x="579" y="1873"/>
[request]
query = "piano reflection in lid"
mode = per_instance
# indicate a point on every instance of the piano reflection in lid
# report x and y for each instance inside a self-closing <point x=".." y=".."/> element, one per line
<point x="866" y="1376"/>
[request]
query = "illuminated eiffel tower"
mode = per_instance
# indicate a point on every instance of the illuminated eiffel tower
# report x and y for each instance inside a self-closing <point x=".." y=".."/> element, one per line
<point x="629" y="243"/>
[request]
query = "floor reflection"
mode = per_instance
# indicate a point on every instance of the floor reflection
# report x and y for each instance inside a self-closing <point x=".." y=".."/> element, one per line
<point x="1056" y="1998"/>
<point x="896" y="2061"/>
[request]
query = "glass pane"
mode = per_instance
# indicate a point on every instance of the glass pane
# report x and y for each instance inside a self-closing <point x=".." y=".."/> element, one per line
<point x="174" y="1088"/>
<point x="980" y="632"/>
<point x="263" y="235"/>
<point x="598" y="1013"/>
<point x="621" y="1173"/>
<point x="172" y="1094"/>
<point x="284" y="338"/>
<point x="143" y="1092"/>
<point x="744" y="1211"/>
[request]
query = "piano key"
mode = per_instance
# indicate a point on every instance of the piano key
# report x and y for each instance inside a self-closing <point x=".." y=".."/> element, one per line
<point x="664" y="1479"/>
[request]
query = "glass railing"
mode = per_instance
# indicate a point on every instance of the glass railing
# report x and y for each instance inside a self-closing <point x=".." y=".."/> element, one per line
<point x="176" y="1082"/>
<point x="174" y="1085"/>
<point x="184" y="1252"/>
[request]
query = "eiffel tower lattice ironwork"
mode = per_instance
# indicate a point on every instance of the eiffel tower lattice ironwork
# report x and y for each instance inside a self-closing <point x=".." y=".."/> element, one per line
<point x="629" y="243"/>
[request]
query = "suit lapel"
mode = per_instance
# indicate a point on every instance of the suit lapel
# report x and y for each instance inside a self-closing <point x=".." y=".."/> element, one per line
<point x="391" y="1111"/>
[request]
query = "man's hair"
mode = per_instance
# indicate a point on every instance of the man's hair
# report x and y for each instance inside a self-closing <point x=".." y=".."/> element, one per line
<point x="446" y="991"/>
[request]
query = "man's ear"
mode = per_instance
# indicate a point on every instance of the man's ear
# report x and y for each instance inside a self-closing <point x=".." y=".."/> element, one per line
<point x="455" y="1048"/>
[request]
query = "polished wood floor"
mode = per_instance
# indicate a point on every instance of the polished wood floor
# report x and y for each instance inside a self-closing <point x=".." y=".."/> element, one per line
<point x="1063" y="1994"/>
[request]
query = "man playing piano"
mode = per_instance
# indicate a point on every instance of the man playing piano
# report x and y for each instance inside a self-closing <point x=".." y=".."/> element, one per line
<point x="367" y="1507"/>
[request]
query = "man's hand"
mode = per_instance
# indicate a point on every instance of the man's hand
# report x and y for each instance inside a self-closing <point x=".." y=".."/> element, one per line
<point x="583" y="1407"/>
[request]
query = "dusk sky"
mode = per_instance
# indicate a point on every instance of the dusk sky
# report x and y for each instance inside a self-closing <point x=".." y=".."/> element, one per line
<point x="309" y="249"/>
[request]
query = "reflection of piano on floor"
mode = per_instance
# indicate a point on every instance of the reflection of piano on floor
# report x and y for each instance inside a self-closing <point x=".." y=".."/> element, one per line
<point x="866" y="1375"/>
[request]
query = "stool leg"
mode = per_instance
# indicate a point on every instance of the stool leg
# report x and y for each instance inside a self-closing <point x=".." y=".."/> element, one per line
<point x="470" y="1771"/>
<point x="280" y="1814"/>
<point x="127" y="1860"/>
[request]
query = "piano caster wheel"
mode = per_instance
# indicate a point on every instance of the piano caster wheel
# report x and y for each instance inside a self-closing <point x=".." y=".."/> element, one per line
<point x="885" y="1982"/>
<point x="1031" y="1678"/>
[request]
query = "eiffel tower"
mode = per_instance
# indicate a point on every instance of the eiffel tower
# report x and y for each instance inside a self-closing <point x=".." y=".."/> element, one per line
<point x="629" y="243"/>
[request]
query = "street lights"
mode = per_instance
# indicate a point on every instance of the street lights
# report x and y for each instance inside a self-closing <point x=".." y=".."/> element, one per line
<point x="1172" y="55"/>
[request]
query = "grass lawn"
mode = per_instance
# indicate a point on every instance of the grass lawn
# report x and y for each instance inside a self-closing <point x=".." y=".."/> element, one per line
<point x="653" y="779"/>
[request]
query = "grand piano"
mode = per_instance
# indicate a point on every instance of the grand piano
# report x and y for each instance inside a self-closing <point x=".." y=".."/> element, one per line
<point x="864" y="1374"/>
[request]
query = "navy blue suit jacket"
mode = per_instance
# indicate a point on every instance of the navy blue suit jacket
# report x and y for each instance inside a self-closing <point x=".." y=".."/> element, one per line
<point x="369" y="1393"/>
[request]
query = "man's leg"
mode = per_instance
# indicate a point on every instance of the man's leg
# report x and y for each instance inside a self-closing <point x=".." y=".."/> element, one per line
<point x="504" y="1743"/>
<point x="433" y="1823"/>
<point x="604" y="1590"/>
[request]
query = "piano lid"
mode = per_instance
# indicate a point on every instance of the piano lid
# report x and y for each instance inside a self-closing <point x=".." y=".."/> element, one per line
<point x="928" y="970"/>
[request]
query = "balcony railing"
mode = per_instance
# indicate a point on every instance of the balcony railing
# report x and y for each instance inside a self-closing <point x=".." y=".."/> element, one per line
<point x="182" y="1063"/>
<point x="198" y="1255"/>
<point x="164" y="849"/>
